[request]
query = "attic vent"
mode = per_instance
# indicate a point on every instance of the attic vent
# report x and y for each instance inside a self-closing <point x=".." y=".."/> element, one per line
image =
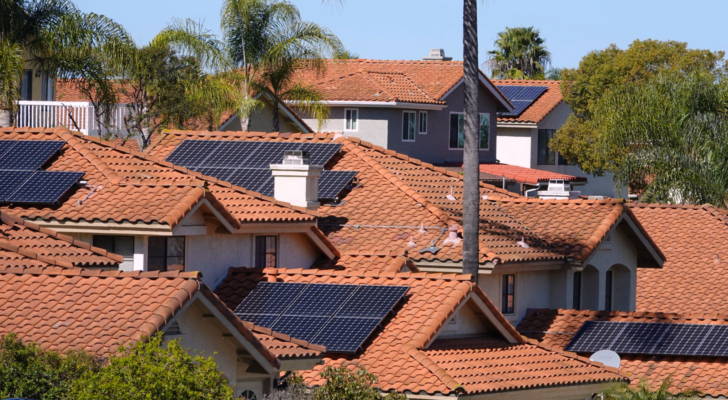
<point x="173" y="329"/>
<point x="437" y="55"/>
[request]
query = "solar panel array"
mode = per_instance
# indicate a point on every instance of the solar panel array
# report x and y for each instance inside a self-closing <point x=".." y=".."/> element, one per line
<point x="521" y="97"/>
<point x="651" y="339"/>
<point x="340" y="317"/>
<point x="20" y="179"/>
<point x="247" y="163"/>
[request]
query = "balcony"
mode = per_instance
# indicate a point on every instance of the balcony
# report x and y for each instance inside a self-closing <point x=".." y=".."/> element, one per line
<point x="75" y="115"/>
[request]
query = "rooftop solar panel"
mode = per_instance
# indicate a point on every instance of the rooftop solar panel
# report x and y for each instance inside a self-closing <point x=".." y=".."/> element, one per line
<point x="231" y="154"/>
<point x="320" y="153"/>
<point x="6" y="145"/>
<point x="269" y="153"/>
<point x="651" y="339"/>
<point x="337" y="314"/>
<point x="29" y="154"/>
<point x="521" y="97"/>
<point x="193" y="153"/>
<point x="45" y="187"/>
<point x="251" y="179"/>
<point x="215" y="172"/>
<point x="10" y="181"/>
<point x="331" y="183"/>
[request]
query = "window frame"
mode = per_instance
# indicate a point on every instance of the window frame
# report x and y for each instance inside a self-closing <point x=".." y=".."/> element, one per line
<point x="546" y="144"/>
<point x="449" y="123"/>
<point x="26" y="84"/>
<point x="576" y="294"/>
<point x="405" y="125"/>
<point x="166" y="255"/>
<point x="256" y="250"/>
<point x="419" y="122"/>
<point x="609" y="287"/>
<point x="346" y="119"/>
<point x="114" y="249"/>
<point x="505" y="310"/>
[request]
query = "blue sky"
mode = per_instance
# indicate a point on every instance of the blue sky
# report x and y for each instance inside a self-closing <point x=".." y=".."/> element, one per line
<point x="407" y="29"/>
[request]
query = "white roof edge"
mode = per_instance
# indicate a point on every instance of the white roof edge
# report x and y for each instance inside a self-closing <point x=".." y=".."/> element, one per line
<point x="383" y="104"/>
<point x="489" y="85"/>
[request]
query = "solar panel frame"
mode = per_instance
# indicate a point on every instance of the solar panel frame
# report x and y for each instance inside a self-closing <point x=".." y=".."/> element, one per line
<point x="29" y="154"/>
<point x="215" y="172"/>
<point x="331" y="183"/>
<point x="320" y="153"/>
<point x="715" y="342"/>
<point x="593" y="336"/>
<point x="11" y="181"/>
<point x="264" y="320"/>
<point x="45" y="187"/>
<point x="251" y="179"/>
<point x="345" y="335"/>
<point x="269" y="153"/>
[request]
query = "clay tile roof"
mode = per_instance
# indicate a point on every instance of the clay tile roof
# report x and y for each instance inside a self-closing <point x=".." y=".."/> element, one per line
<point x="284" y="346"/>
<point x="397" y="195"/>
<point x="526" y="175"/>
<point x="24" y="244"/>
<point x="398" y="354"/>
<point x="541" y="107"/>
<point x="353" y="261"/>
<point x="695" y="242"/>
<point x="139" y="188"/>
<point x="556" y="328"/>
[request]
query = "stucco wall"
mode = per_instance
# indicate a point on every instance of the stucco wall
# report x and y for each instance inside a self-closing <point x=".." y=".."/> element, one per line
<point x="463" y="323"/>
<point x="533" y="290"/>
<point x="262" y="121"/>
<point x="372" y="124"/>
<point x="515" y="146"/>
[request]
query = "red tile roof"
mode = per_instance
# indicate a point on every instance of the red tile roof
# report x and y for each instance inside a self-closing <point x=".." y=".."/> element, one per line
<point x="136" y="187"/>
<point x="408" y="81"/>
<point x="25" y="244"/>
<point x="541" y="107"/>
<point x="695" y="241"/>
<point x="556" y="328"/>
<point x="526" y="175"/>
<point x="375" y="263"/>
<point x="398" y="354"/>
<point x="284" y="346"/>
<point x="395" y="195"/>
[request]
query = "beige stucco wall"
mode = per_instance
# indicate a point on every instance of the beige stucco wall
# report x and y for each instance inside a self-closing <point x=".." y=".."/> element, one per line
<point x="262" y="121"/>
<point x="463" y="323"/>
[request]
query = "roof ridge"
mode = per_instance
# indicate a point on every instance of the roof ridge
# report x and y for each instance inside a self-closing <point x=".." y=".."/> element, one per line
<point x="13" y="220"/>
<point x="56" y="271"/>
<point x="74" y="141"/>
<point x="352" y="273"/>
<point x="554" y="201"/>
<point x="425" y="361"/>
<point x="634" y="314"/>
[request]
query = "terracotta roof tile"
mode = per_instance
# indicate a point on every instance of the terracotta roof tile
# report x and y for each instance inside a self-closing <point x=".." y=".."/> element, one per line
<point x="526" y="175"/>
<point x="556" y="328"/>
<point x="541" y="107"/>
<point x="397" y="354"/>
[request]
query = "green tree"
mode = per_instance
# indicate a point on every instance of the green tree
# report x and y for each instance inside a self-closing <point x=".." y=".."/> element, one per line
<point x="152" y="371"/>
<point x="674" y="130"/>
<point x="11" y="74"/>
<point x="601" y="70"/>
<point x="645" y="391"/>
<point x="269" y="42"/>
<point x="344" y="384"/>
<point x="520" y="54"/>
<point x="26" y="370"/>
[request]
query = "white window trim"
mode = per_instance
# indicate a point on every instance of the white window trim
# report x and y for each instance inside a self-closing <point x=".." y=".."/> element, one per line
<point x="357" y="120"/>
<point x="448" y="132"/>
<point x="419" y="122"/>
<point x="405" y="112"/>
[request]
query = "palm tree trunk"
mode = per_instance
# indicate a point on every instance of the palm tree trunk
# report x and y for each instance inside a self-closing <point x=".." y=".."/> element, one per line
<point x="471" y="189"/>
<point x="276" y="119"/>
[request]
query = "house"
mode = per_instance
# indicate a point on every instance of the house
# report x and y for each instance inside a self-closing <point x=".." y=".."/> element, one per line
<point x="524" y="135"/>
<point x="158" y="216"/>
<point x="411" y="107"/>
<point x="555" y="329"/>
<point x="49" y="299"/>
<point x="568" y="254"/>
<point x="447" y="339"/>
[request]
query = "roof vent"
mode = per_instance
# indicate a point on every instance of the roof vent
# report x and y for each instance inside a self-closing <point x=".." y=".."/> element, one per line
<point x="437" y="55"/>
<point x="558" y="189"/>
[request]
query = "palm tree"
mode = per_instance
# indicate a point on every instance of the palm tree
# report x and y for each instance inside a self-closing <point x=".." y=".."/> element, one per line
<point x="52" y="35"/>
<point x="268" y="41"/>
<point x="644" y="391"/>
<point x="520" y="54"/>
<point x="471" y="173"/>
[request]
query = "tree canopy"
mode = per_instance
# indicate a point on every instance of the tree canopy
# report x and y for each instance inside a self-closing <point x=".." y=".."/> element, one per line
<point x="645" y="391"/>
<point x="600" y="71"/>
<point x="520" y="54"/>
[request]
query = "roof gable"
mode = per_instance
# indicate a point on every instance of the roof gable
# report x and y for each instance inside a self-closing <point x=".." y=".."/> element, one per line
<point x="540" y="108"/>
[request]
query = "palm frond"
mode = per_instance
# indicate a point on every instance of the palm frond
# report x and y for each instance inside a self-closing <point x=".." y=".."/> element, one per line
<point x="190" y="38"/>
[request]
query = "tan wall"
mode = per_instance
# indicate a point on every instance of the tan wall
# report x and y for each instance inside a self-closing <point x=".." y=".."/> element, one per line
<point x="262" y="121"/>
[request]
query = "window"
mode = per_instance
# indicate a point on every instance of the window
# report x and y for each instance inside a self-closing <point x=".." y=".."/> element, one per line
<point x="608" y="293"/>
<point x="121" y="245"/>
<point x="457" y="127"/>
<point x="546" y="156"/>
<point x="409" y="124"/>
<point x="266" y="252"/>
<point x="577" y="291"/>
<point x="46" y="92"/>
<point x="352" y="119"/>
<point x="26" y="85"/>
<point x="423" y="122"/>
<point x="165" y="251"/>
<point x="509" y="289"/>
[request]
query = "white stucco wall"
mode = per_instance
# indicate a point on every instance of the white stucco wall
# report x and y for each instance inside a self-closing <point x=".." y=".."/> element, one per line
<point x="514" y="146"/>
<point x="463" y="323"/>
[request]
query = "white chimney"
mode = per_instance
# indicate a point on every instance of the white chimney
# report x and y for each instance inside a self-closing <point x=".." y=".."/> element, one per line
<point x="296" y="181"/>
<point x="559" y="189"/>
<point x="437" y="55"/>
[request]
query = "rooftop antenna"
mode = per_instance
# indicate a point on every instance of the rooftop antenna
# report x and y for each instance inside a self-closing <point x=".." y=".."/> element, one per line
<point x="422" y="228"/>
<point x="450" y="196"/>
<point x="523" y="243"/>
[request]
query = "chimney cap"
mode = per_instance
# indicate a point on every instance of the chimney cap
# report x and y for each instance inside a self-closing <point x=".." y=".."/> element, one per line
<point x="296" y="157"/>
<point x="437" y="55"/>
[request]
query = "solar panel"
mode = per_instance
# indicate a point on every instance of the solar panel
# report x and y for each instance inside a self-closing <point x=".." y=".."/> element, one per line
<point x="45" y="187"/>
<point x="321" y="299"/>
<point x="304" y="328"/>
<point x="269" y="153"/>
<point x="270" y="298"/>
<point x="651" y="339"/>
<point x="521" y="97"/>
<point x="6" y="145"/>
<point x="29" y="154"/>
<point x="345" y="335"/>
<point x="193" y="153"/>
<point x="251" y="179"/>
<point x="320" y="153"/>
<point x="231" y="154"/>
<point x="372" y="301"/>
<point x="331" y="183"/>
<point x="215" y="172"/>
<point x="11" y="181"/>
<point x="342" y="315"/>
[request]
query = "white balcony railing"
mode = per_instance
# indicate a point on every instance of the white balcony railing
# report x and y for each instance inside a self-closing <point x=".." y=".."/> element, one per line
<point x="75" y="115"/>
